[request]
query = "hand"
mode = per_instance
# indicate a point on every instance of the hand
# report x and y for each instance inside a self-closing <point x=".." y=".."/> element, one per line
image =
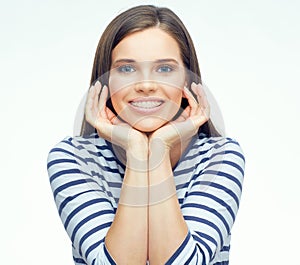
<point x="108" y="125"/>
<point x="188" y="123"/>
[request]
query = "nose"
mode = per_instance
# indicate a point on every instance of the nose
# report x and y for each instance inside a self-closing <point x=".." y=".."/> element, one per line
<point x="146" y="86"/>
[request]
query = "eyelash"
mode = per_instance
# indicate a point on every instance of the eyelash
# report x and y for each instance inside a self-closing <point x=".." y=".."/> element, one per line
<point x="124" y="69"/>
<point x="170" y="68"/>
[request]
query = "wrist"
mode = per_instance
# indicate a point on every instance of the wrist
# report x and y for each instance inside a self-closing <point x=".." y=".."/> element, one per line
<point x="137" y="159"/>
<point x="159" y="155"/>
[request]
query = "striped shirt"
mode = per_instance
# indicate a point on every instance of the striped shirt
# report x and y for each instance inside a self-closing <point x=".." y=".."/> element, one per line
<point x="86" y="178"/>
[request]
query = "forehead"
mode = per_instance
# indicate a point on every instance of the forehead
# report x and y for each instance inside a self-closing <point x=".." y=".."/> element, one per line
<point x="147" y="45"/>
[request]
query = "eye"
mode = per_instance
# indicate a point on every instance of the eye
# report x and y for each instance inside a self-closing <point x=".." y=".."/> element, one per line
<point x="165" y="69"/>
<point x="126" y="69"/>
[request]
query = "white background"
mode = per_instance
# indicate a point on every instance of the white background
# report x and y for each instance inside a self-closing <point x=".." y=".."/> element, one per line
<point x="249" y="56"/>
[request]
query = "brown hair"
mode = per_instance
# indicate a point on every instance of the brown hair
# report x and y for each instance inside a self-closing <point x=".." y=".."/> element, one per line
<point x="137" y="19"/>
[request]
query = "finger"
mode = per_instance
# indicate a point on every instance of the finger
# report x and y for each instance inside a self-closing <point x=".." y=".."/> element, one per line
<point x="98" y="92"/>
<point x="202" y="96"/>
<point x="195" y="88"/>
<point x="118" y="121"/>
<point x="203" y="102"/>
<point x="203" y="106"/>
<point x="111" y="116"/>
<point x="89" y="106"/>
<point x="186" y="112"/>
<point x="180" y="119"/>
<point x="191" y="100"/>
<point x="90" y="96"/>
<point x="102" y="101"/>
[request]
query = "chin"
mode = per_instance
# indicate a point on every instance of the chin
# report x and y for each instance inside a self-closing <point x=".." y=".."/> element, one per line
<point x="148" y="127"/>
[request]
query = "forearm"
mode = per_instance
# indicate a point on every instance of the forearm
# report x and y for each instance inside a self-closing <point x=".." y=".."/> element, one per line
<point x="126" y="239"/>
<point x="167" y="227"/>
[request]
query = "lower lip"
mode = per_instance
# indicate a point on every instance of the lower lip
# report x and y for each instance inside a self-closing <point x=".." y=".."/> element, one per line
<point x="146" y="110"/>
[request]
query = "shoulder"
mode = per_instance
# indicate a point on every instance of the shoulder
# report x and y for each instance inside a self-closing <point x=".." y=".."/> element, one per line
<point x="209" y="146"/>
<point x="78" y="146"/>
<point x="216" y="152"/>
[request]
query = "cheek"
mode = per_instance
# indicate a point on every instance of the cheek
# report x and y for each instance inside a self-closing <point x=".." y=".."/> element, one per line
<point x="117" y="93"/>
<point x="116" y="100"/>
<point x="176" y="96"/>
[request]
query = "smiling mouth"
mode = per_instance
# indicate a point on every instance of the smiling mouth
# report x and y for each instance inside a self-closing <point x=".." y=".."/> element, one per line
<point x="146" y="104"/>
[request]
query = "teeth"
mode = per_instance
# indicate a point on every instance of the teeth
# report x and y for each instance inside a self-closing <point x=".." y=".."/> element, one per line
<point x="146" y="104"/>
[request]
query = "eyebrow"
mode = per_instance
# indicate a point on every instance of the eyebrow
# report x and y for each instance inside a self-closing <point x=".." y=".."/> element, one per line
<point x="125" y="60"/>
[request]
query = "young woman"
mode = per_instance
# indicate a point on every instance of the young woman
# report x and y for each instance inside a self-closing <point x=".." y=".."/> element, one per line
<point x="149" y="179"/>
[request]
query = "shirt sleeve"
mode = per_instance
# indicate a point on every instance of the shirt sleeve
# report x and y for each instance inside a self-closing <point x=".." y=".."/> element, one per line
<point x="83" y="205"/>
<point x="211" y="205"/>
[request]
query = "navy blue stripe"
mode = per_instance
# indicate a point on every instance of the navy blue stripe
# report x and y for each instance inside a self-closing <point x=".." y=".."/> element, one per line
<point x="222" y="263"/>
<point x="64" y="172"/>
<point x="191" y="257"/>
<point x="235" y="165"/>
<point x="71" y="184"/>
<point x="89" y="233"/>
<point x="183" y="171"/>
<point x="90" y="217"/>
<point x="182" y="186"/>
<point x="81" y="147"/>
<point x="211" y="210"/>
<point x="195" y="165"/>
<point x="58" y="161"/>
<point x="94" y="153"/>
<point x="86" y="142"/>
<point x="204" y="221"/>
<point x="240" y="155"/>
<point x="203" y="160"/>
<point x="70" y="198"/>
<point x="55" y="149"/>
<point x="60" y="150"/>
<point x="109" y="257"/>
<point x="223" y="174"/>
<point x="100" y="154"/>
<point x="207" y="237"/>
<point x="216" y="143"/>
<point x="225" y="248"/>
<point x="81" y="207"/>
<point x="208" y="195"/>
<point x="179" y="250"/>
<point x="202" y="242"/>
<point x="92" y="247"/>
<point x="221" y="187"/>
<point x="203" y="256"/>
<point x="79" y="260"/>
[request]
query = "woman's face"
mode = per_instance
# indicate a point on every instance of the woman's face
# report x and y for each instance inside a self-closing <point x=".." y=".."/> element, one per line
<point x="146" y="79"/>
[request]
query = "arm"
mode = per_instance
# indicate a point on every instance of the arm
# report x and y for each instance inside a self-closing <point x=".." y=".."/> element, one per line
<point x="167" y="227"/>
<point x="84" y="208"/>
<point x="126" y="239"/>
<point x="208" y="210"/>
<point x="165" y="215"/>
<point x="212" y="201"/>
